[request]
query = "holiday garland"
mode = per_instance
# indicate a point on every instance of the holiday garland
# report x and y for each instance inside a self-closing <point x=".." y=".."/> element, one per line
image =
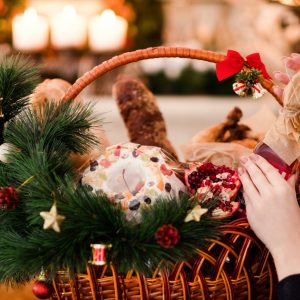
<point x="48" y="220"/>
<point x="246" y="83"/>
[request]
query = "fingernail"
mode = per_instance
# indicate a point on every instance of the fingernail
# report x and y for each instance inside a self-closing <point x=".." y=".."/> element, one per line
<point x="254" y="156"/>
<point x="243" y="159"/>
<point x="241" y="171"/>
<point x="278" y="75"/>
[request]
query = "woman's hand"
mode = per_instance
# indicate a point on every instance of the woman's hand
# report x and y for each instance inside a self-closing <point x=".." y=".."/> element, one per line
<point x="273" y="212"/>
<point x="292" y="62"/>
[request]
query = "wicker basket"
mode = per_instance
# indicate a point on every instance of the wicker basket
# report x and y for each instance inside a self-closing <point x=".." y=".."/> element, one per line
<point x="238" y="266"/>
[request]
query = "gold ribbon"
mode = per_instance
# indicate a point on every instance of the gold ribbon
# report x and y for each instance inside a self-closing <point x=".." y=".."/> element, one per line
<point x="24" y="183"/>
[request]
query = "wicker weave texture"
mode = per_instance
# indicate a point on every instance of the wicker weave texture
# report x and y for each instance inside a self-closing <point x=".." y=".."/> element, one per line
<point x="236" y="267"/>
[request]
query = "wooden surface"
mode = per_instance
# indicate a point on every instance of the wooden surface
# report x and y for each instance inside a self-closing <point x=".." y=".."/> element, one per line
<point x="22" y="293"/>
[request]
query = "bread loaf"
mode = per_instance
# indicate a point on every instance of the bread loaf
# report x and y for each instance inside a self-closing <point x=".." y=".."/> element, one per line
<point x="141" y="114"/>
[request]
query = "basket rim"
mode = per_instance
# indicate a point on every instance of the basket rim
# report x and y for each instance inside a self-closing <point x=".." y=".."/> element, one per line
<point x="155" y="52"/>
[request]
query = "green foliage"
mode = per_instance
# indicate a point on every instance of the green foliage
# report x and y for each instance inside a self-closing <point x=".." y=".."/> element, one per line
<point x="44" y="144"/>
<point x="67" y="123"/>
<point x="91" y="218"/>
<point x="146" y="28"/>
<point x="248" y="76"/>
<point x="137" y="246"/>
<point x="189" y="82"/>
<point x="18" y="78"/>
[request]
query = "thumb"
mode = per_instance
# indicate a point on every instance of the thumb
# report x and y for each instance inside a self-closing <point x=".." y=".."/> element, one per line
<point x="278" y="91"/>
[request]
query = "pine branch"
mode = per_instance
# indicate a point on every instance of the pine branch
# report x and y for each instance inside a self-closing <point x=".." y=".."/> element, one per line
<point x="91" y="218"/>
<point x="44" y="139"/>
<point x="4" y="174"/>
<point x="139" y="242"/>
<point x="18" y="78"/>
<point x="44" y="156"/>
<point x="65" y="122"/>
<point x="12" y="273"/>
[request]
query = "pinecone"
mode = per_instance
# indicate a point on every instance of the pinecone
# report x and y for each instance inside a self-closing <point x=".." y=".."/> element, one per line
<point x="167" y="236"/>
<point x="8" y="197"/>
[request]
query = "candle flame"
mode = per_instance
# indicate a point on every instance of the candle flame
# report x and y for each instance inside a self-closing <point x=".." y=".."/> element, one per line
<point x="30" y="13"/>
<point x="69" y="11"/>
<point x="108" y="15"/>
<point x="290" y="2"/>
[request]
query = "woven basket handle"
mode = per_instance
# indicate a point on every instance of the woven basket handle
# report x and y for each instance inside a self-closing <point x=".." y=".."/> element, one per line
<point x="155" y="52"/>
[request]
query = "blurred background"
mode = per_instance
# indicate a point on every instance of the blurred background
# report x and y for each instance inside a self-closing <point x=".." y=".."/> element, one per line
<point x="69" y="37"/>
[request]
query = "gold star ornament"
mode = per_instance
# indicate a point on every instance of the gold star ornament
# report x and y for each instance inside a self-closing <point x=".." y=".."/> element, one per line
<point x="195" y="214"/>
<point x="52" y="219"/>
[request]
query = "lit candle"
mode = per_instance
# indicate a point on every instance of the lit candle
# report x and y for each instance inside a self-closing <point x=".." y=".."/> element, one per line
<point x="30" y="31"/>
<point x="68" y="29"/>
<point x="107" y="32"/>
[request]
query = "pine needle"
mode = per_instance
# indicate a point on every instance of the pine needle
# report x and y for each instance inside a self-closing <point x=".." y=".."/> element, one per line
<point x="18" y="78"/>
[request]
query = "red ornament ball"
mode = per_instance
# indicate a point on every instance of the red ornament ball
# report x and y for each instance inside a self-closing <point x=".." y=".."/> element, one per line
<point x="167" y="236"/>
<point x="41" y="289"/>
<point x="8" y="197"/>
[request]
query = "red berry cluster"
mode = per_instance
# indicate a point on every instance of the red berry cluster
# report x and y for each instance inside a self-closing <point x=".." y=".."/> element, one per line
<point x="206" y="175"/>
<point x="167" y="236"/>
<point x="8" y="197"/>
<point x="225" y="205"/>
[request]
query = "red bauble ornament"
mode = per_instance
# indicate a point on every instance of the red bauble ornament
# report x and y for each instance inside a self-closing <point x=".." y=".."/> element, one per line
<point x="167" y="236"/>
<point x="8" y="197"/>
<point x="41" y="289"/>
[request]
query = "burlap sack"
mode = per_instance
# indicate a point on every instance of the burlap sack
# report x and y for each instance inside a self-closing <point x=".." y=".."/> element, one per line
<point x="218" y="153"/>
<point x="284" y="135"/>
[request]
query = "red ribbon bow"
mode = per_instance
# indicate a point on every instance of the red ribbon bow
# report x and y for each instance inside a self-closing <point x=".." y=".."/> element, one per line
<point x="234" y="63"/>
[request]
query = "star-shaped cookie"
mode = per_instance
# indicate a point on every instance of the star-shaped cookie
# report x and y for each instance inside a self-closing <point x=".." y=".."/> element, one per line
<point x="195" y="214"/>
<point x="52" y="219"/>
